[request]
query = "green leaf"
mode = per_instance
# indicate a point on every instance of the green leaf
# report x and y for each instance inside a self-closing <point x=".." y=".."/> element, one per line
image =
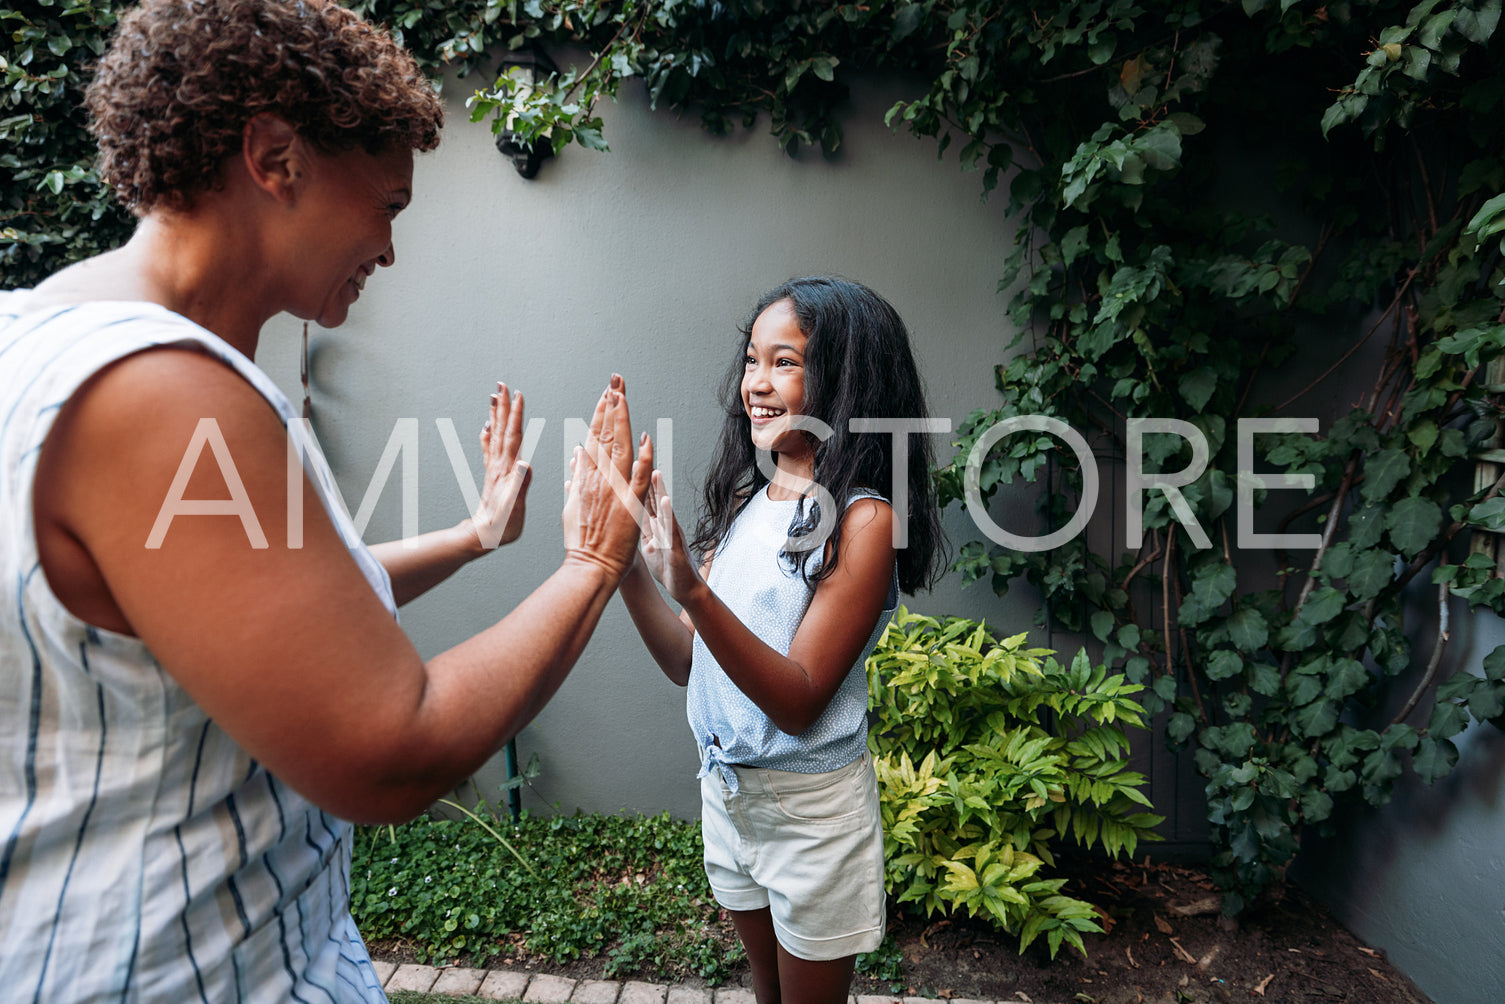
<point x="1316" y="805"/>
<point x="1383" y="472"/>
<point x="1373" y="570"/>
<point x="1494" y="664"/>
<point x="1434" y="758"/>
<point x="1488" y="221"/>
<point x="1224" y="663"/>
<point x="1264" y="678"/>
<point x="1322" y="605"/>
<point x="1210" y="588"/>
<point x="1316" y="719"/>
<point x="1197" y="386"/>
<point x="1423" y="435"/>
<point x="1165" y="687"/>
<point x="1248" y="630"/>
<point x="1102" y="624"/>
<point x="1180" y="726"/>
<point x="1304" y="688"/>
<point x="1345" y="678"/>
<point x="906" y="21"/>
<point x="1073" y="244"/>
<point x="1413" y="524"/>
<point x="1489" y="514"/>
<point x="1447" y="720"/>
<point x="1366" y="525"/>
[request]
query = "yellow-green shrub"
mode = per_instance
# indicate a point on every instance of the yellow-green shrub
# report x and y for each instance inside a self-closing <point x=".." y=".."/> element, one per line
<point x="988" y="754"/>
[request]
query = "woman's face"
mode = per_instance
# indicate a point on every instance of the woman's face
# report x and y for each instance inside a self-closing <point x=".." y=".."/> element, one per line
<point x="346" y="211"/>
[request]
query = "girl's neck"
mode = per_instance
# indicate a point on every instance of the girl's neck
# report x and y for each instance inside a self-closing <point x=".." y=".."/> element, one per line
<point x="793" y="479"/>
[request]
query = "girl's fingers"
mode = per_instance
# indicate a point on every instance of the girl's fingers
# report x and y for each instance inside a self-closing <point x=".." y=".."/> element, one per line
<point x="663" y="524"/>
<point x="642" y="467"/>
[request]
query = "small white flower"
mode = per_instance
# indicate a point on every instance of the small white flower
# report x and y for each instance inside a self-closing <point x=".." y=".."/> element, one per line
<point x="392" y="891"/>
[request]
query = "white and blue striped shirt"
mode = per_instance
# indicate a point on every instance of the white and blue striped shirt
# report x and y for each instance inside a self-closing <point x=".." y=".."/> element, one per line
<point x="144" y="856"/>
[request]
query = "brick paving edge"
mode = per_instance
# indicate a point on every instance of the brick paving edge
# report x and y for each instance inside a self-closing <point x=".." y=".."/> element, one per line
<point x="595" y="985"/>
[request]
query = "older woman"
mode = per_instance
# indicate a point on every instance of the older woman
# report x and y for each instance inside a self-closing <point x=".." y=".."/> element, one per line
<point x="188" y="701"/>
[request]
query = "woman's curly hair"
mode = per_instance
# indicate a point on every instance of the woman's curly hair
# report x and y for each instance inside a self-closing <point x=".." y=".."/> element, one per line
<point x="171" y="97"/>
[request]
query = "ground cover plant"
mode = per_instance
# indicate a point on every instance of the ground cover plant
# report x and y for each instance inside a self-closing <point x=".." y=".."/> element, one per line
<point x="631" y="890"/>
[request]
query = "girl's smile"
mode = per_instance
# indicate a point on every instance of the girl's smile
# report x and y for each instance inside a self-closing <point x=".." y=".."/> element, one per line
<point x="773" y="384"/>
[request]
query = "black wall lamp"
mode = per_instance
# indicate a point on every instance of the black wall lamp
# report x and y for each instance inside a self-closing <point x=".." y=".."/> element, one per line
<point x="527" y="66"/>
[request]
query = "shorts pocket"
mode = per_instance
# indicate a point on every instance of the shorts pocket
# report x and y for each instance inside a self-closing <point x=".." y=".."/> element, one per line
<point x="833" y="797"/>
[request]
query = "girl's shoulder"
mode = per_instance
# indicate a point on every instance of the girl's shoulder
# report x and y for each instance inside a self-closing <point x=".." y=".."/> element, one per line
<point x="862" y="510"/>
<point x="862" y="492"/>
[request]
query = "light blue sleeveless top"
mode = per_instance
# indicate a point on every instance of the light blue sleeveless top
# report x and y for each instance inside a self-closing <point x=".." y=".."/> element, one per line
<point x="770" y="596"/>
<point x="144" y="856"/>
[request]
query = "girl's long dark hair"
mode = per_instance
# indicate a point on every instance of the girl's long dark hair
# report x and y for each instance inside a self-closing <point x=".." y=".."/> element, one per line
<point x="857" y="365"/>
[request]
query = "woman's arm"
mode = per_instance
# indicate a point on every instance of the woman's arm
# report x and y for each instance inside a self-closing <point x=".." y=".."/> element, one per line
<point x="794" y="690"/>
<point x="289" y="649"/>
<point x="418" y="564"/>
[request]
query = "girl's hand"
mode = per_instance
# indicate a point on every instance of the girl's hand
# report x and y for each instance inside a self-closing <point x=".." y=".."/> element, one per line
<point x="498" y="518"/>
<point x="604" y="495"/>
<point x="661" y="545"/>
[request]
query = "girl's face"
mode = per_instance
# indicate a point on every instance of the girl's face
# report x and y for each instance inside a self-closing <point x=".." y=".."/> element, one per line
<point x="773" y="380"/>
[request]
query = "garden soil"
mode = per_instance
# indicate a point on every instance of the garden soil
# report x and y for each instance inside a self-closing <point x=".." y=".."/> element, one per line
<point x="1165" y="942"/>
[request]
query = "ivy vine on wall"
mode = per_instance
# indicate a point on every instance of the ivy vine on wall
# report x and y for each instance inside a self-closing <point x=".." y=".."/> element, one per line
<point x="1220" y="205"/>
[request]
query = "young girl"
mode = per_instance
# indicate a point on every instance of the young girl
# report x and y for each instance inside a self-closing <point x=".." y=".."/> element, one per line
<point x="800" y="575"/>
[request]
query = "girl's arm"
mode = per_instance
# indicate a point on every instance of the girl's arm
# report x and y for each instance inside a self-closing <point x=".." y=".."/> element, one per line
<point x="794" y="690"/>
<point x="418" y="564"/>
<point x="288" y="649"/>
<point x="669" y="636"/>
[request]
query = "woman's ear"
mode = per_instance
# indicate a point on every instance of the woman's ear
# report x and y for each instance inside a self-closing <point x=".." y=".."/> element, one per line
<point x="274" y="155"/>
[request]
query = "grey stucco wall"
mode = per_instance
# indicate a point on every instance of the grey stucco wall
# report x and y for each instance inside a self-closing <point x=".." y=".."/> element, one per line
<point x="640" y="261"/>
<point x="1424" y="877"/>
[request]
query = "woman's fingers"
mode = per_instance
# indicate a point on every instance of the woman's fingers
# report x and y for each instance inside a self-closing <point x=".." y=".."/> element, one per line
<point x="499" y="517"/>
<point x="605" y="513"/>
<point x="598" y="417"/>
<point x="512" y="422"/>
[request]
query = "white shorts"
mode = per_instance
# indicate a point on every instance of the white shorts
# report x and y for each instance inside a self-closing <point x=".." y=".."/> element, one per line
<point x="807" y="846"/>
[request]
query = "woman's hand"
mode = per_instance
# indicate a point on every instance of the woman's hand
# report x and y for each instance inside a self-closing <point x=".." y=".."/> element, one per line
<point x="498" y="518"/>
<point x="661" y="545"/>
<point x="604" y="496"/>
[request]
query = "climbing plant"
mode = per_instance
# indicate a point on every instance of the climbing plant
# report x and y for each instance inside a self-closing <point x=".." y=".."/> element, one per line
<point x="1228" y="213"/>
<point x="53" y="209"/>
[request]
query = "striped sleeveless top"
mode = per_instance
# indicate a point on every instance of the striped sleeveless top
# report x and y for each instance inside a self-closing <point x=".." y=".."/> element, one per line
<point x="144" y="856"/>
